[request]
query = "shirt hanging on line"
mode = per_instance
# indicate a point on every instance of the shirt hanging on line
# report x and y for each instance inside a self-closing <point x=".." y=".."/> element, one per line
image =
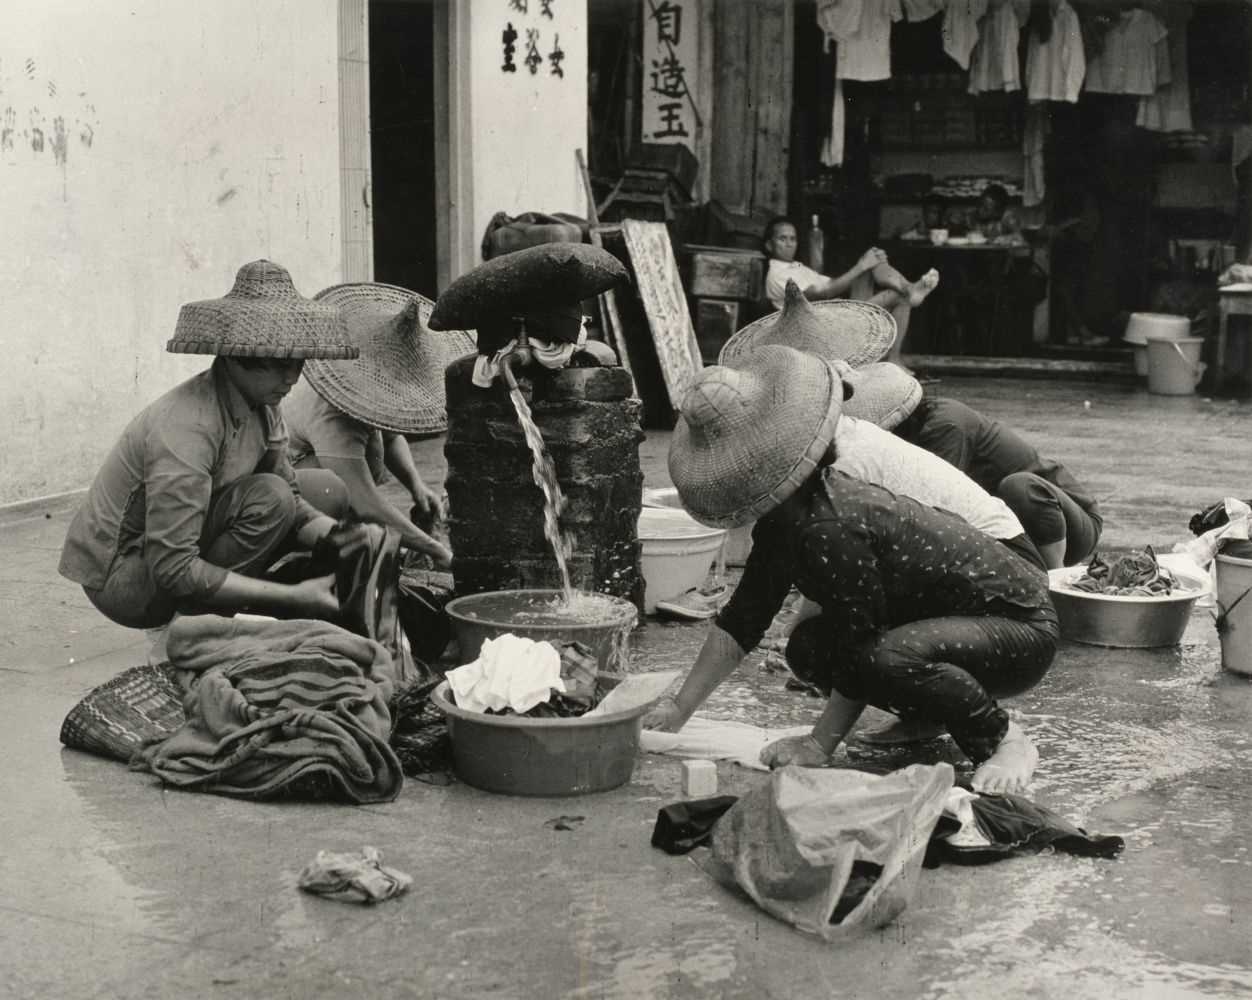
<point x="1055" y="68"/>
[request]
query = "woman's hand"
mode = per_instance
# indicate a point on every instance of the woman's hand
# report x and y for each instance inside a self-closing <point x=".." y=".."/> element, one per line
<point x="427" y="507"/>
<point x="803" y="751"/>
<point x="665" y="716"/>
<point x="316" y="598"/>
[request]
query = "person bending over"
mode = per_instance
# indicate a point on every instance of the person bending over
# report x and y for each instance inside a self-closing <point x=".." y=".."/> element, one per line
<point x="197" y="497"/>
<point x="1059" y="513"/>
<point x="351" y="418"/>
<point x="921" y="614"/>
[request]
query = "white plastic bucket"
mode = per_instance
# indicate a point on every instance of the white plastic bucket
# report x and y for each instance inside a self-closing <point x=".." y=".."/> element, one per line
<point x="738" y="540"/>
<point x="1142" y="326"/>
<point x="677" y="551"/>
<point x="1174" y="366"/>
<point x="1234" y="610"/>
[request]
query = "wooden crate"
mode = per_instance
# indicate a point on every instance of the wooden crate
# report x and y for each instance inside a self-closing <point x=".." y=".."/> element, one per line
<point x="726" y="273"/>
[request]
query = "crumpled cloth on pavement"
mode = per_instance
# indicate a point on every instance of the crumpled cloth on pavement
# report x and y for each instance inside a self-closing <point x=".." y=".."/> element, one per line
<point x="712" y="740"/>
<point x="511" y="671"/>
<point x="549" y="353"/>
<point x="353" y="878"/>
<point x="1004" y="825"/>
<point x="273" y="705"/>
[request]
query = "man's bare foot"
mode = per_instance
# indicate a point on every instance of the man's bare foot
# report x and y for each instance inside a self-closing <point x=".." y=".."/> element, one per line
<point x="1010" y="768"/>
<point x="922" y="287"/>
<point x="902" y="731"/>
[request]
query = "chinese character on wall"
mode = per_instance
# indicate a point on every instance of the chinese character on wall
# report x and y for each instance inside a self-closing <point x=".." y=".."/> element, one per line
<point x="671" y="39"/>
<point x="538" y="39"/>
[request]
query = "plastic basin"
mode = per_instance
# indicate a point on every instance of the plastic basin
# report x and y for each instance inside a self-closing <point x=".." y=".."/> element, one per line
<point x="676" y="551"/>
<point x="1131" y="622"/>
<point x="478" y="617"/>
<point x="515" y="755"/>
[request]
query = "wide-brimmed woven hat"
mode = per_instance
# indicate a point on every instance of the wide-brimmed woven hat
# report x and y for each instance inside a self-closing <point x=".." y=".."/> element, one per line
<point x="882" y="393"/>
<point x="397" y="382"/>
<point x="262" y="316"/>
<point x="749" y="437"/>
<point x="835" y="329"/>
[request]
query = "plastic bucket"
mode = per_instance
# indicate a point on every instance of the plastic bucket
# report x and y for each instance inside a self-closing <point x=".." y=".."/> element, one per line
<point x="1234" y="611"/>
<point x="1143" y="326"/>
<point x="738" y="540"/>
<point x="1174" y="366"/>
<point x="676" y="552"/>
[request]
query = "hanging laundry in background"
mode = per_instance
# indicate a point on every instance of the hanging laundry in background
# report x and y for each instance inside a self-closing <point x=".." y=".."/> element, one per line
<point x="1169" y="109"/>
<point x="960" y="28"/>
<point x="1128" y="64"/>
<point x="1056" y="65"/>
<point x="994" y="65"/>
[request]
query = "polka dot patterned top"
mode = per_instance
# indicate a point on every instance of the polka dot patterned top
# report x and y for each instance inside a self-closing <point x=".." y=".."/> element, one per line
<point x="879" y="559"/>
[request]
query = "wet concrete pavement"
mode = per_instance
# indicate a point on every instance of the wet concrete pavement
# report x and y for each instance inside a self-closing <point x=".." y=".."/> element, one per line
<point x="115" y="888"/>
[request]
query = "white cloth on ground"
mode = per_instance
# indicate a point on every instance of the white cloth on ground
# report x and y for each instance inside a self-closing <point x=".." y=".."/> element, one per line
<point x="865" y="451"/>
<point x="710" y="739"/>
<point x="511" y="671"/>
<point x="1055" y="68"/>
<point x="353" y="878"/>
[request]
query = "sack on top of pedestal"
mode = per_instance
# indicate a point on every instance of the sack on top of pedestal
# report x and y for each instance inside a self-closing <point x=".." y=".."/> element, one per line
<point x="543" y="286"/>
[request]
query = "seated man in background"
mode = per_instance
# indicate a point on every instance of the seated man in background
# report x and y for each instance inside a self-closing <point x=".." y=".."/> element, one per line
<point x="870" y="279"/>
<point x="993" y="218"/>
<point x="197" y="498"/>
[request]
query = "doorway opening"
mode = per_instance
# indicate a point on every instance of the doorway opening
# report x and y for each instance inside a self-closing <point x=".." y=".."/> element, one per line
<point x="402" y="143"/>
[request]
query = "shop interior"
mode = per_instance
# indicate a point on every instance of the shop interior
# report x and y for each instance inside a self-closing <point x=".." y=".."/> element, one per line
<point x="1129" y="219"/>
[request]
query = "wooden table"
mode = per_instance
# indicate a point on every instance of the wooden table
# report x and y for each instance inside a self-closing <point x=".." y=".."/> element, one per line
<point x="1233" y="301"/>
<point x="950" y="318"/>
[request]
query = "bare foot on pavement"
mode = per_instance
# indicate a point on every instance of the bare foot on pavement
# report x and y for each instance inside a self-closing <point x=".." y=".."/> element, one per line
<point x="1011" y="767"/>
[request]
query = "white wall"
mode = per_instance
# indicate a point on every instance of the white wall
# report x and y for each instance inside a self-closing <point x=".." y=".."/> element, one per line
<point x="147" y="149"/>
<point x="524" y="127"/>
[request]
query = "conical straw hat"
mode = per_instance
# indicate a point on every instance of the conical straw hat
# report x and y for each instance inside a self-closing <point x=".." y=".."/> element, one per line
<point x="397" y="382"/>
<point x="262" y="316"/>
<point x="835" y="329"/>
<point x="749" y="437"/>
<point x="882" y="393"/>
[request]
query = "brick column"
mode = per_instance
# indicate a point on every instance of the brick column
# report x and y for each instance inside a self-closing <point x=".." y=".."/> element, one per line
<point x="589" y="419"/>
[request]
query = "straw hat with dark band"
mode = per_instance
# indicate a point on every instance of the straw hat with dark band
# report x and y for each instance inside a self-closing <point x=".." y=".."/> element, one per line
<point x="749" y="437"/>
<point x="844" y="329"/>
<point x="397" y="382"/>
<point x="262" y="316"/>
<point x="882" y="393"/>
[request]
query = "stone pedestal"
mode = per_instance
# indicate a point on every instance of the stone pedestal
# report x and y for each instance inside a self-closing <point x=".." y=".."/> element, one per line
<point x="589" y="420"/>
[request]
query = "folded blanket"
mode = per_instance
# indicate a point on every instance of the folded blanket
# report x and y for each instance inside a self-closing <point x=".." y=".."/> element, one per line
<point x="271" y="703"/>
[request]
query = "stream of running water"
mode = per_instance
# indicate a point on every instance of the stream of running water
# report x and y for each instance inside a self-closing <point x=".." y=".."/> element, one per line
<point x="544" y="473"/>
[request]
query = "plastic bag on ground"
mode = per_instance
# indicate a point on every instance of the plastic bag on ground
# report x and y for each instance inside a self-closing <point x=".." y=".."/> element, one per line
<point x="800" y="842"/>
